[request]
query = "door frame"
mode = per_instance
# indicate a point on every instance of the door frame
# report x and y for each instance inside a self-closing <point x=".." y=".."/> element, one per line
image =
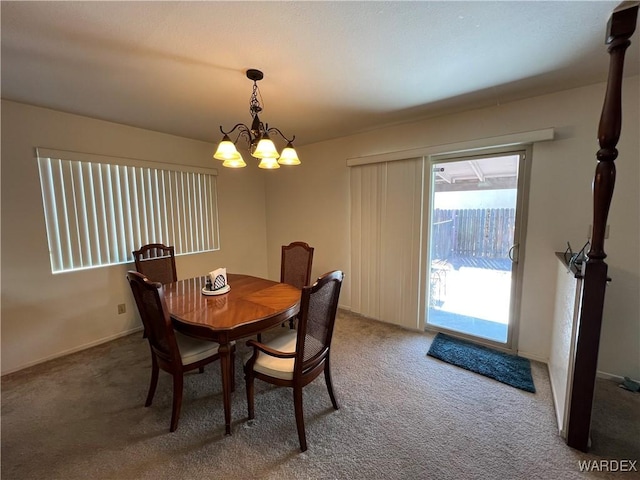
<point x="522" y="202"/>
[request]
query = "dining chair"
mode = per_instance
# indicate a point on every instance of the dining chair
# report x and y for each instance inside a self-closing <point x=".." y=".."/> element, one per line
<point x="297" y="357"/>
<point x="157" y="262"/>
<point x="170" y="350"/>
<point x="295" y="267"/>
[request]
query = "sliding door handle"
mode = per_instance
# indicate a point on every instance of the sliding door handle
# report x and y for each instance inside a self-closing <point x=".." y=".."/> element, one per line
<point x="514" y="259"/>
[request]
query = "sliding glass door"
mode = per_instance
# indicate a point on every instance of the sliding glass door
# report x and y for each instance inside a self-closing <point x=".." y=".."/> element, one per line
<point x="475" y="216"/>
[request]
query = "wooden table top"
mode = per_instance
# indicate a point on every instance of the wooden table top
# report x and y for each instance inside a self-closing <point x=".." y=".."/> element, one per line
<point x="252" y="305"/>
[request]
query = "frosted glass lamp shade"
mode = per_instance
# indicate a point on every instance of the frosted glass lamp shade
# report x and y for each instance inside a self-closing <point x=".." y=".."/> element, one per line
<point x="265" y="148"/>
<point x="227" y="150"/>
<point x="268" y="163"/>
<point x="289" y="156"/>
<point x="234" y="163"/>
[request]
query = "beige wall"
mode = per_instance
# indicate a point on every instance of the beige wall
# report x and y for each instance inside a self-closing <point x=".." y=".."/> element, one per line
<point x="45" y="315"/>
<point x="311" y="203"/>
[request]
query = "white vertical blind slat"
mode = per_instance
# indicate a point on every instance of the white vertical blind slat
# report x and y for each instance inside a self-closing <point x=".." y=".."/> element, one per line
<point x="198" y="203"/>
<point x="128" y="221"/>
<point x="81" y="218"/>
<point x="157" y="213"/>
<point x="70" y="228"/>
<point x="206" y="214"/>
<point x="163" y="200"/>
<point x="142" y="206"/>
<point x="186" y="214"/>
<point x="134" y="207"/>
<point x="190" y="221"/>
<point x="171" y="218"/>
<point x="120" y="175"/>
<point x="110" y="216"/>
<point x="213" y="213"/>
<point x="93" y="238"/>
<point x="196" y="237"/>
<point x="50" y="212"/>
<point x="151" y="199"/>
<point x="193" y="212"/>
<point x="101" y="207"/>
<point x="356" y="237"/>
<point x="170" y="188"/>
<point x="178" y="203"/>
<point x="157" y="219"/>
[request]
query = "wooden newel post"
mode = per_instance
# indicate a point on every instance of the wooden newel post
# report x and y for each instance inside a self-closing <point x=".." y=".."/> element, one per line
<point x="619" y="29"/>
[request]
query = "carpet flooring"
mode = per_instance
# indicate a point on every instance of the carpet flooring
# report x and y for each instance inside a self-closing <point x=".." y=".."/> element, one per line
<point x="403" y="415"/>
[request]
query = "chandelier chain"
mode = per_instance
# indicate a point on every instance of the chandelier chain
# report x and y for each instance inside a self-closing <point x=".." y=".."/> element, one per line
<point x="254" y="103"/>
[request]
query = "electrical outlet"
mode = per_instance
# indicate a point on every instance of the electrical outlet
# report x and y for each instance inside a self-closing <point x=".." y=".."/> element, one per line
<point x="122" y="308"/>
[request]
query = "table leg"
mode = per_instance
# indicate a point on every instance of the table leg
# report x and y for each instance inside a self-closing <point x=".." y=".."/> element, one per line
<point x="226" y="367"/>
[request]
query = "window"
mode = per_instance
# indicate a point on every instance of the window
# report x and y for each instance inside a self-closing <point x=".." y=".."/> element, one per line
<point x="99" y="209"/>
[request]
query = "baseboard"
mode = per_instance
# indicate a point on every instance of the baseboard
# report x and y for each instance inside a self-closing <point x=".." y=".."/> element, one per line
<point x="532" y="356"/>
<point x="611" y="376"/>
<point x="74" y="350"/>
<point x="556" y="406"/>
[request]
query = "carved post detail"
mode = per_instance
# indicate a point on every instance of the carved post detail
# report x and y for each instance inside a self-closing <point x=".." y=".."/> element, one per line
<point x="619" y="29"/>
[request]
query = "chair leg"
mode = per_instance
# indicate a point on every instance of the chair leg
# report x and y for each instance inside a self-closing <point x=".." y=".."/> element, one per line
<point x="177" y="400"/>
<point x="297" y="404"/>
<point x="154" y="380"/>
<point x="233" y="368"/>
<point x="201" y="369"/>
<point x="248" y="378"/>
<point x="327" y="379"/>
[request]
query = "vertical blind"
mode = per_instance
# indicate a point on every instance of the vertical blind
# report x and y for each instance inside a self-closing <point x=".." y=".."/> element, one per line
<point x="98" y="212"/>
<point x="386" y="226"/>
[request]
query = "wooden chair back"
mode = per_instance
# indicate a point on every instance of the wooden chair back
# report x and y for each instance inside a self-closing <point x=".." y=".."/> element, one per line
<point x="318" y="308"/>
<point x="156" y="262"/>
<point x="295" y="265"/>
<point x="155" y="317"/>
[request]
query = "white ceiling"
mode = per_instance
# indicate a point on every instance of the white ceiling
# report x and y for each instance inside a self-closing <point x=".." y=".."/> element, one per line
<point x="331" y="68"/>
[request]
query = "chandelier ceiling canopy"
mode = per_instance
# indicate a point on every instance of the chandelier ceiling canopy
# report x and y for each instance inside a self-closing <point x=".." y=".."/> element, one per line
<point x="257" y="137"/>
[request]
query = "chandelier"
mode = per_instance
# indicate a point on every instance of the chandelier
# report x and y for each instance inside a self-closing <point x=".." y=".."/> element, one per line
<point x="257" y="137"/>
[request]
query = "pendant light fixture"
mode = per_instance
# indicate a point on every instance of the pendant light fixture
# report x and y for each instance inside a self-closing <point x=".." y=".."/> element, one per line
<point x="257" y="136"/>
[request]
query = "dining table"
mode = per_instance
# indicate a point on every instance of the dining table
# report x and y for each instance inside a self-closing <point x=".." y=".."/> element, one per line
<point x="251" y="305"/>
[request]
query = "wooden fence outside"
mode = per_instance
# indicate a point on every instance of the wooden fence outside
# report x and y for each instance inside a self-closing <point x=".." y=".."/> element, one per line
<point x="480" y="233"/>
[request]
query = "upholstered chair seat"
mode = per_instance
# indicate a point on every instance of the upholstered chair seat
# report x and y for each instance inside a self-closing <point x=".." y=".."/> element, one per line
<point x="274" y="366"/>
<point x="193" y="350"/>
